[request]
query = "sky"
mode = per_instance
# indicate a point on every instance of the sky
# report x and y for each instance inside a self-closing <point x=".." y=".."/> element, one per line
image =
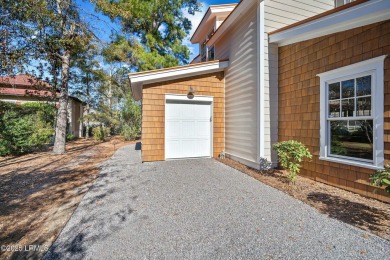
<point x="103" y="26"/>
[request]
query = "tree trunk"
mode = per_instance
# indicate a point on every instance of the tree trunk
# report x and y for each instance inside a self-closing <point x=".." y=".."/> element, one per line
<point x="62" y="115"/>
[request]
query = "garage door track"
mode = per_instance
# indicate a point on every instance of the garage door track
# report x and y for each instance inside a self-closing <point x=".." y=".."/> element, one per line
<point x="200" y="209"/>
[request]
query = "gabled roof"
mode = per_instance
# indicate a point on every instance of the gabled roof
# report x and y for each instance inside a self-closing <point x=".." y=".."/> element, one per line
<point x="242" y="7"/>
<point x="211" y="13"/>
<point x="355" y="14"/>
<point x="137" y="80"/>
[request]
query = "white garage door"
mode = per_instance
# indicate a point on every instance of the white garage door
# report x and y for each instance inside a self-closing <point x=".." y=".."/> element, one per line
<point x="187" y="129"/>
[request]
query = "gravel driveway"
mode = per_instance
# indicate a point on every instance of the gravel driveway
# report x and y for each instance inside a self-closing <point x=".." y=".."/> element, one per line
<point x="200" y="209"/>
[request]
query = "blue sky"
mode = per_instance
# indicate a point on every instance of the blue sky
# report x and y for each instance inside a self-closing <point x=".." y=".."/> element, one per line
<point x="103" y="27"/>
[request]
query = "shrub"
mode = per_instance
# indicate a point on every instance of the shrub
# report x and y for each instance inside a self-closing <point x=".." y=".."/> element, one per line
<point x="100" y="133"/>
<point x="265" y="165"/>
<point x="291" y="153"/>
<point x="70" y="137"/>
<point x="382" y="178"/>
<point x="130" y="133"/>
<point x="25" y="128"/>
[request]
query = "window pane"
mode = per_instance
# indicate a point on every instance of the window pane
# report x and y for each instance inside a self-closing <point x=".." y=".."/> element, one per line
<point x="348" y="88"/>
<point x="363" y="86"/>
<point x="348" y="107"/>
<point x="364" y="106"/>
<point x="334" y="91"/>
<point x="334" y="108"/>
<point x="352" y="139"/>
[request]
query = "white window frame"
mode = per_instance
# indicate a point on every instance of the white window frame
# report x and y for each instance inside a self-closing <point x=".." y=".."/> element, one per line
<point x="375" y="68"/>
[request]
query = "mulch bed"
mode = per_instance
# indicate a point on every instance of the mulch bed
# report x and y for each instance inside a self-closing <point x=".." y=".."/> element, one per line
<point x="368" y="214"/>
<point x="39" y="192"/>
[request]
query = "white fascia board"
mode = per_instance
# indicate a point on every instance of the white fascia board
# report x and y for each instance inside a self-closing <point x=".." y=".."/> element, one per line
<point x="210" y="14"/>
<point x="240" y="9"/>
<point x="137" y="80"/>
<point x="178" y="72"/>
<point x="360" y="15"/>
<point x="194" y="38"/>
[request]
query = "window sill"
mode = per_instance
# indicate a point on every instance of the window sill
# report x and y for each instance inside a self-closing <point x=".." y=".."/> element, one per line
<point x="352" y="163"/>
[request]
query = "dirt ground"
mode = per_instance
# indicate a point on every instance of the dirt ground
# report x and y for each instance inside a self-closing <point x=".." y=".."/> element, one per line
<point x="40" y="191"/>
<point x="368" y="214"/>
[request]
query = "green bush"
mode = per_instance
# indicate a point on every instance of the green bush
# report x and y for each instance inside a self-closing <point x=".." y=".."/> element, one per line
<point x="130" y="133"/>
<point x="130" y="119"/>
<point x="291" y="153"/>
<point x="70" y="137"/>
<point x="382" y="178"/>
<point x="100" y="133"/>
<point x="25" y="128"/>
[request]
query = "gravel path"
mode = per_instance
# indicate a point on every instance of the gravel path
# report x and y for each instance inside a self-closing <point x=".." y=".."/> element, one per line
<point x="200" y="209"/>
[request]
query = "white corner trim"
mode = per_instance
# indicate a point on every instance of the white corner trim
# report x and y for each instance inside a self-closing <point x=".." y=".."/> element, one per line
<point x="260" y="77"/>
<point x="359" y="15"/>
<point x="376" y="67"/>
<point x="184" y="97"/>
<point x="178" y="72"/>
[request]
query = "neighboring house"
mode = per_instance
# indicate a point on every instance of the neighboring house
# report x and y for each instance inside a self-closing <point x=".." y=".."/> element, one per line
<point x="279" y="70"/>
<point x="22" y="89"/>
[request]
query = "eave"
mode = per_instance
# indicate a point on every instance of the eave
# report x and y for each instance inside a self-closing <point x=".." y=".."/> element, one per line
<point x="139" y="79"/>
<point x="353" y="15"/>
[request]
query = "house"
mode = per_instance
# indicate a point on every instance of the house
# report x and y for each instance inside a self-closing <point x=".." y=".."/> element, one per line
<point x="312" y="71"/>
<point x="21" y="89"/>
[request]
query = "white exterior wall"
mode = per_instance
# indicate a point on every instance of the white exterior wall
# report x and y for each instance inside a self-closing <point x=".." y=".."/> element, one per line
<point x="251" y="81"/>
<point x="278" y="14"/>
<point x="239" y="45"/>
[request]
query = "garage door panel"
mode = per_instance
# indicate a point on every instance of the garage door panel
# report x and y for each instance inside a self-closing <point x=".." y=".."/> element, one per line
<point x="173" y="128"/>
<point x="188" y="129"/>
<point x="203" y="128"/>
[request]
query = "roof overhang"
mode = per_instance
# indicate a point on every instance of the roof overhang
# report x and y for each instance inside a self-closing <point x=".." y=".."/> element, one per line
<point x="242" y="7"/>
<point x="138" y="80"/>
<point x="359" y="14"/>
<point x="212" y="12"/>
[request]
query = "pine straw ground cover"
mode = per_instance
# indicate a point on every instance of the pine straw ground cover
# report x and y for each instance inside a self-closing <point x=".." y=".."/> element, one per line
<point x="40" y="191"/>
<point x="368" y="214"/>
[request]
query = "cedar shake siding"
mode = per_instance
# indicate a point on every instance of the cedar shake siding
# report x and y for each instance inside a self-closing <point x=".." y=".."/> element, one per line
<point x="153" y="111"/>
<point x="299" y="98"/>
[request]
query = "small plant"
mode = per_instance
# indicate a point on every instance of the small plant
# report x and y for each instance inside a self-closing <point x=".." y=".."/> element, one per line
<point x="382" y="178"/>
<point x="70" y="137"/>
<point x="99" y="134"/>
<point x="130" y="132"/>
<point x="265" y="165"/>
<point x="291" y="153"/>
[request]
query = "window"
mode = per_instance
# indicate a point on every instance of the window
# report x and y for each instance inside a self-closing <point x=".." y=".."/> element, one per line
<point x="342" y="2"/>
<point x="211" y="54"/>
<point x="203" y="51"/>
<point x="352" y="114"/>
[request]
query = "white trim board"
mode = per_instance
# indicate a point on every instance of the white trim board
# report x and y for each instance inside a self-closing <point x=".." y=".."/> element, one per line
<point x="137" y="80"/>
<point x="234" y="16"/>
<point x="359" y="15"/>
